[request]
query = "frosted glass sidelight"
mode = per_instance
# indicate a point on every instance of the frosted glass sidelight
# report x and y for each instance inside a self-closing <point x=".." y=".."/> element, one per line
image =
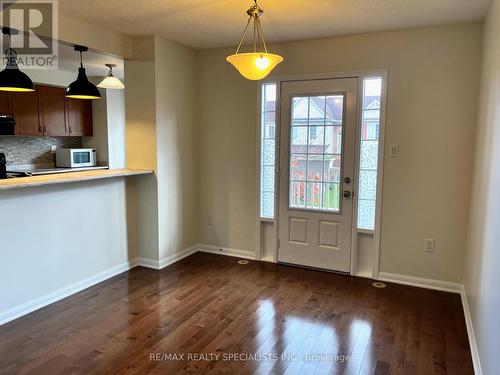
<point x="369" y="144"/>
<point x="268" y="150"/>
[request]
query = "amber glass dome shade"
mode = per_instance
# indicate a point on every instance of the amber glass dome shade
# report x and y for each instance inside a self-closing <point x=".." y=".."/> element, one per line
<point x="254" y="65"/>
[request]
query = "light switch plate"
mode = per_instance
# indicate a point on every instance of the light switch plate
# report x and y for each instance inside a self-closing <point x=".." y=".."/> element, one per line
<point x="394" y="150"/>
<point x="210" y="220"/>
<point x="429" y="245"/>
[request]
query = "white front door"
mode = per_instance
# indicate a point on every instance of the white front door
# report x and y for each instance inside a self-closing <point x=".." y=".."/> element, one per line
<point x="318" y="132"/>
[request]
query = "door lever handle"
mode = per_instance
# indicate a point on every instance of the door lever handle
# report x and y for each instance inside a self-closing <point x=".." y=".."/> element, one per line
<point x="347" y="194"/>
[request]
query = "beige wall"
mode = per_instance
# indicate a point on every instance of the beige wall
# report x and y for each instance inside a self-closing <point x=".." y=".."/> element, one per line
<point x="140" y="136"/>
<point x="482" y="276"/>
<point x="432" y="91"/>
<point x="140" y="108"/>
<point x="160" y="99"/>
<point x="227" y="122"/>
<point x="176" y="143"/>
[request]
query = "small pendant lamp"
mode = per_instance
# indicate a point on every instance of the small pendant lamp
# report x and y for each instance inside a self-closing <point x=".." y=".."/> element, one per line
<point x="82" y="88"/>
<point x="110" y="81"/>
<point x="11" y="78"/>
<point x="254" y="65"/>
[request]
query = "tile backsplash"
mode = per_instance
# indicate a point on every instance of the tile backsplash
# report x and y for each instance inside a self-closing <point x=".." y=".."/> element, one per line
<point x="34" y="150"/>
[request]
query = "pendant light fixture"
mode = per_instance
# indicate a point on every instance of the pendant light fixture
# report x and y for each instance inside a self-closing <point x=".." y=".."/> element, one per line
<point x="257" y="64"/>
<point x="11" y="78"/>
<point x="82" y="88"/>
<point x="110" y="81"/>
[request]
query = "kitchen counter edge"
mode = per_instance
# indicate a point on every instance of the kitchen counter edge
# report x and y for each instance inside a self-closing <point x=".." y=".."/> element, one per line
<point x="62" y="178"/>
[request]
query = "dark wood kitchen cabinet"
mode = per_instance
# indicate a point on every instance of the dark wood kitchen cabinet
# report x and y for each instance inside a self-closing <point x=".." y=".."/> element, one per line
<point x="79" y="117"/>
<point x="47" y="111"/>
<point x="25" y="107"/>
<point x="52" y="110"/>
<point x="5" y="102"/>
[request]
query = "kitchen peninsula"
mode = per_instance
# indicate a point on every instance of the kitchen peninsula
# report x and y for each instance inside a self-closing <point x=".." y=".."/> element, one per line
<point x="74" y="206"/>
<point x="75" y="176"/>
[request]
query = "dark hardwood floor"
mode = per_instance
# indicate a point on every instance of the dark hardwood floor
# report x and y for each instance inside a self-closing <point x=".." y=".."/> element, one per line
<point x="258" y="318"/>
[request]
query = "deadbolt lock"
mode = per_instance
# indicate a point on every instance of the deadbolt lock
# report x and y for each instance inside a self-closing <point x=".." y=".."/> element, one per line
<point x="347" y="180"/>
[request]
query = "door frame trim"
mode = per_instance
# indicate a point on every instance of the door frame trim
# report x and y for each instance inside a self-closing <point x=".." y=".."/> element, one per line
<point x="360" y="75"/>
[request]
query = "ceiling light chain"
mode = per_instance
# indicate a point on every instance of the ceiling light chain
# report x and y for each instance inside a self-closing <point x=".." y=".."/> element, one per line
<point x="255" y="34"/>
<point x="243" y="36"/>
<point x="261" y="32"/>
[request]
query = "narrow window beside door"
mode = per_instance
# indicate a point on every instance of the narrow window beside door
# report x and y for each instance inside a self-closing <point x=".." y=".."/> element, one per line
<point x="267" y="150"/>
<point x="369" y="145"/>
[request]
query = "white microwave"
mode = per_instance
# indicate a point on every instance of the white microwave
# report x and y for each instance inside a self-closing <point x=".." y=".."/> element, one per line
<point x="76" y="157"/>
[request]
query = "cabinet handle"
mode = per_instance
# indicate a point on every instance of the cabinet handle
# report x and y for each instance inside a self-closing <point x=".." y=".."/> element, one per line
<point x="70" y="129"/>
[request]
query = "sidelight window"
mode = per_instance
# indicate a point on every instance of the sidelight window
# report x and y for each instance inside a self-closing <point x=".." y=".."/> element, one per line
<point x="369" y="146"/>
<point x="268" y="150"/>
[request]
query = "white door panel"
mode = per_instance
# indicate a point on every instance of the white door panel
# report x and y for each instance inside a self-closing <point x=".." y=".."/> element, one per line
<point x="318" y="134"/>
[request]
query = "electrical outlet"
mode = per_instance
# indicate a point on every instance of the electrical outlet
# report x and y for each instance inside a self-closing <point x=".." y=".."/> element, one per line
<point x="53" y="149"/>
<point x="394" y="150"/>
<point x="429" y="245"/>
<point x="210" y="220"/>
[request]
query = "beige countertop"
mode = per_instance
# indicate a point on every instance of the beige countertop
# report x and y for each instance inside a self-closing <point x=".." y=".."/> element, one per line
<point x="61" y="178"/>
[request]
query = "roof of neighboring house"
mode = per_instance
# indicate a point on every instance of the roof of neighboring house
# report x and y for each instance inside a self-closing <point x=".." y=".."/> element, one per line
<point x="333" y="110"/>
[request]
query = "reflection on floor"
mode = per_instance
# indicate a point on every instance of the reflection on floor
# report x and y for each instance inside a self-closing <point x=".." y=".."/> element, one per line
<point x="209" y="314"/>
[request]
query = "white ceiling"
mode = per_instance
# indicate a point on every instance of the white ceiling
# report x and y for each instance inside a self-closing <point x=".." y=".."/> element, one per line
<point x="218" y="23"/>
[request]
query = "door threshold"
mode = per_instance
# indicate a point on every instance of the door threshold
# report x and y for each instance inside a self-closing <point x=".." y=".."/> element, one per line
<point x="314" y="268"/>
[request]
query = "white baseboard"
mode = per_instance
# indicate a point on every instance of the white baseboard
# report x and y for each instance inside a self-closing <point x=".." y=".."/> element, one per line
<point x="445" y="286"/>
<point x="364" y="275"/>
<point x="226" y="251"/>
<point x="268" y="260"/>
<point x="148" y="263"/>
<point x="177" y="256"/>
<point x="38" y="303"/>
<point x="470" y="333"/>
<point x="164" y="262"/>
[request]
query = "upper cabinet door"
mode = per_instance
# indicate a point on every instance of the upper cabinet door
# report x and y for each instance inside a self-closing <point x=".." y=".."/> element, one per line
<point x="5" y="102"/>
<point x="79" y="115"/>
<point x="51" y="104"/>
<point x="25" y="108"/>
